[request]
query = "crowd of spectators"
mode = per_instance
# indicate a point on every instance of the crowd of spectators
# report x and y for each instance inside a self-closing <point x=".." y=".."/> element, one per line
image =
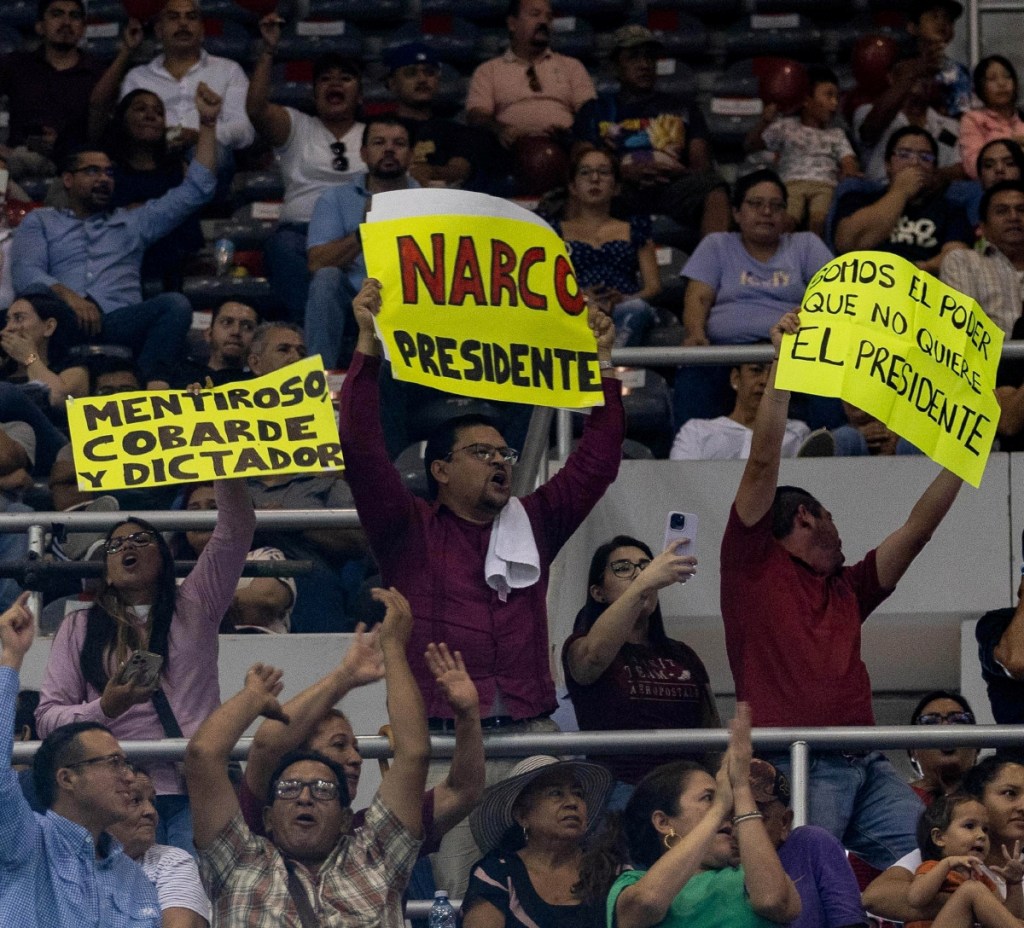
<point x="136" y="154"/>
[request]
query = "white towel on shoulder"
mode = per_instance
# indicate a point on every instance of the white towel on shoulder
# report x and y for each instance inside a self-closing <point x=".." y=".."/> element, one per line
<point x="513" y="561"/>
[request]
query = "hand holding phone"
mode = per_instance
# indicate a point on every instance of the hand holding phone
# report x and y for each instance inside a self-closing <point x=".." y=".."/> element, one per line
<point x="681" y="526"/>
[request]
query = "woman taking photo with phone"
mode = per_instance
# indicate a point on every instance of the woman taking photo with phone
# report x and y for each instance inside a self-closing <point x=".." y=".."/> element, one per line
<point x="139" y="608"/>
<point x="622" y="669"/>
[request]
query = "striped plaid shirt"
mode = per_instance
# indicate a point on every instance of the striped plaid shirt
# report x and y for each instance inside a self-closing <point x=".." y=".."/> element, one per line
<point x="359" y="886"/>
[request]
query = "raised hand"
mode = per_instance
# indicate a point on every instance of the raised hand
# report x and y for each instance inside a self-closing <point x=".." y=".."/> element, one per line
<point x="397" y="624"/>
<point x="1012" y="868"/>
<point x="270" y="30"/>
<point x="741" y="749"/>
<point x="17" y="630"/>
<point x="263" y="685"/>
<point x="363" y="662"/>
<point x="208" y="102"/>
<point x="667" y="568"/>
<point x="450" y="674"/>
<point x="603" y="328"/>
<point x="789" y="324"/>
<point x="366" y="304"/>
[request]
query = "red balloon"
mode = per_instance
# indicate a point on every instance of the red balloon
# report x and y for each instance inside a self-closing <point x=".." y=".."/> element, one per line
<point x="259" y="7"/>
<point x="541" y="164"/>
<point x="143" y="9"/>
<point x="872" y="58"/>
<point x="782" y="82"/>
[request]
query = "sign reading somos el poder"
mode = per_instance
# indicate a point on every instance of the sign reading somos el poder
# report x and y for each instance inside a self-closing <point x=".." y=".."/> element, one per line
<point x="282" y="423"/>
<point x="904" y="347"/>
<point x="479" y="298"/>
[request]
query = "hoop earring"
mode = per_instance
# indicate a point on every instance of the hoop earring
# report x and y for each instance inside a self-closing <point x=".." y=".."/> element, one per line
<point x="671" y="839"/>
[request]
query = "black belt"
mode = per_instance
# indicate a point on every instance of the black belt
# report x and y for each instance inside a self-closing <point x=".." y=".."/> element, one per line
<point x="491" y="723"/>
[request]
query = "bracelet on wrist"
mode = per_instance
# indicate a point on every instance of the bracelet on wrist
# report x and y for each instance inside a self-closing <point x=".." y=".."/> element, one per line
<point x="746" y="817"/>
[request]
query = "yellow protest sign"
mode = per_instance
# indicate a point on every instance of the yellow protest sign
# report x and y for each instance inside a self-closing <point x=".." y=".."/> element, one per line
<point x="282" y="423"/>
<point x="479" y="298"/>
<point x="904" y="347"/>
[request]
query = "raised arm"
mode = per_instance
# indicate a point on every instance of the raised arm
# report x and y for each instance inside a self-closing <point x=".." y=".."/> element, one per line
<point x="361" y="664"/>
<point x="269" y="119"/>
<point x="761" y="475"/>
<point x="402" y="789"/>
<point x="461" y="790"/>
<point x="209" y="105"/>
<point x="591" y="655"/>
<point x="214" y="802"/>
<point x="17" y="823"/>
<point x="771" y="892"/>
<point x="896" y="553"/>
<point x="104" y="93"/>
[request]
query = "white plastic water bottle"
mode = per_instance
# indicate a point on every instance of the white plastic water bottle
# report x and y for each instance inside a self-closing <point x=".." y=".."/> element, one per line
<point x="442" y="915"/>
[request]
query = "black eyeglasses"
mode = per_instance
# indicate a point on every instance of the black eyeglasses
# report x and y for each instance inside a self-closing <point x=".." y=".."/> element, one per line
<point x="534" y="81"/>
<point x="487" y="453"/>
<point x="93" y="170"/>
<point x="626" y="569"/>
<point x="320" y="790"/>
<point x="141" y="539"/>
<point x="963" y="717"/>
<point x="340" y="157"/>
<point x="116" y="762"/>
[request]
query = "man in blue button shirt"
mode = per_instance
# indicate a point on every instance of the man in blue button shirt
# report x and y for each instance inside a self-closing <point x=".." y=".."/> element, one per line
<point x="61" y="870"/>
<point x="92" y="257"/>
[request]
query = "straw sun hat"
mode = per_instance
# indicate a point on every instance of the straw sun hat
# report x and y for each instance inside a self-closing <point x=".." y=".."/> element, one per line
<point x="493" y="817"/>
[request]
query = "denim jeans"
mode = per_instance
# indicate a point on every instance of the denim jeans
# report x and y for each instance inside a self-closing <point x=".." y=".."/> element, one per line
<point x="632" y="319"/>
<point x="155" y="330"/>
<point x="175" y="826"/>
<point x="285" y="253"/>
<point x="863" y="802"/>
<point x="13" y="547"/>
<point x="17" y="406"/>
<point x="328" y="311"/>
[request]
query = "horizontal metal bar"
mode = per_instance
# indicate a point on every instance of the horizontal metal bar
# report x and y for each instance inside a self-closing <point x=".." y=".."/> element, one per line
<point x="646" y="742"/>
<point x="730" y="354"/>
<point x="294" y="519"/>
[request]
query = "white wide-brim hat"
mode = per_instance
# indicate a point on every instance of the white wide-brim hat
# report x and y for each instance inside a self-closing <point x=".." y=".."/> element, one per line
<point x="493" y="817"/>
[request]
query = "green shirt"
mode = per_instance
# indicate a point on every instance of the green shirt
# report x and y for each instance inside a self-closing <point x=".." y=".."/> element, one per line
<point x="712" y="899"/>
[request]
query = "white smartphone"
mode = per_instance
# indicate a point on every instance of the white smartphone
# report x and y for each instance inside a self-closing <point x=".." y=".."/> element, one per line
<point x="679" y="525"/>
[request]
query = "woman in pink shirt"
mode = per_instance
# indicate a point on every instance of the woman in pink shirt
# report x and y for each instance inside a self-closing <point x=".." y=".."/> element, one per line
<point x="995" y="83"/>
<point x="140" y="609"/>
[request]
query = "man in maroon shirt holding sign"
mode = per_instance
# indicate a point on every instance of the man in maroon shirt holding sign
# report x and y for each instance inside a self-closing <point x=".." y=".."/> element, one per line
<point x="792" y="617"/>
<point x="436" y="553"/>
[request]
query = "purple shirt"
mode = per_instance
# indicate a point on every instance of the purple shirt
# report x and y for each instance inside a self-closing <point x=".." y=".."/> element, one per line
<point x="436" y="559"/>
<point x="190" y="677"/>
<point x="816" y="862"/>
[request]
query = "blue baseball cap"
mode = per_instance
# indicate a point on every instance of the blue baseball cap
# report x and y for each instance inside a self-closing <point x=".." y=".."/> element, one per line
<point x="400" y="56"/>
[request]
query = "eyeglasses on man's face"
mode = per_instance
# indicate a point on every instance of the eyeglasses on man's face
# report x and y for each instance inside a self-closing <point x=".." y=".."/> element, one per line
<point x="320" y="790"/>
<point x="118" y="763"/>
<point x="486" y="453"/>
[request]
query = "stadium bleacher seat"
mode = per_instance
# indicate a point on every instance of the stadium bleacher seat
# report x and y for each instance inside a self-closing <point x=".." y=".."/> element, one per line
<point x="19" y="13"/>
<point x="475" y="10"/>
<point x="784" y="35"/>
<point x="228" y="38"/>
<point x="573" y="36"/>
<point x="683" y="35"/>
<point x="310" y="38"/>
<point x="359" y="10"/>
<point x="452" y="38"/>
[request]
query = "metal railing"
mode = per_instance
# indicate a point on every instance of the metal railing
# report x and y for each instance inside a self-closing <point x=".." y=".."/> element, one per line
<point x="800" y="743"/>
